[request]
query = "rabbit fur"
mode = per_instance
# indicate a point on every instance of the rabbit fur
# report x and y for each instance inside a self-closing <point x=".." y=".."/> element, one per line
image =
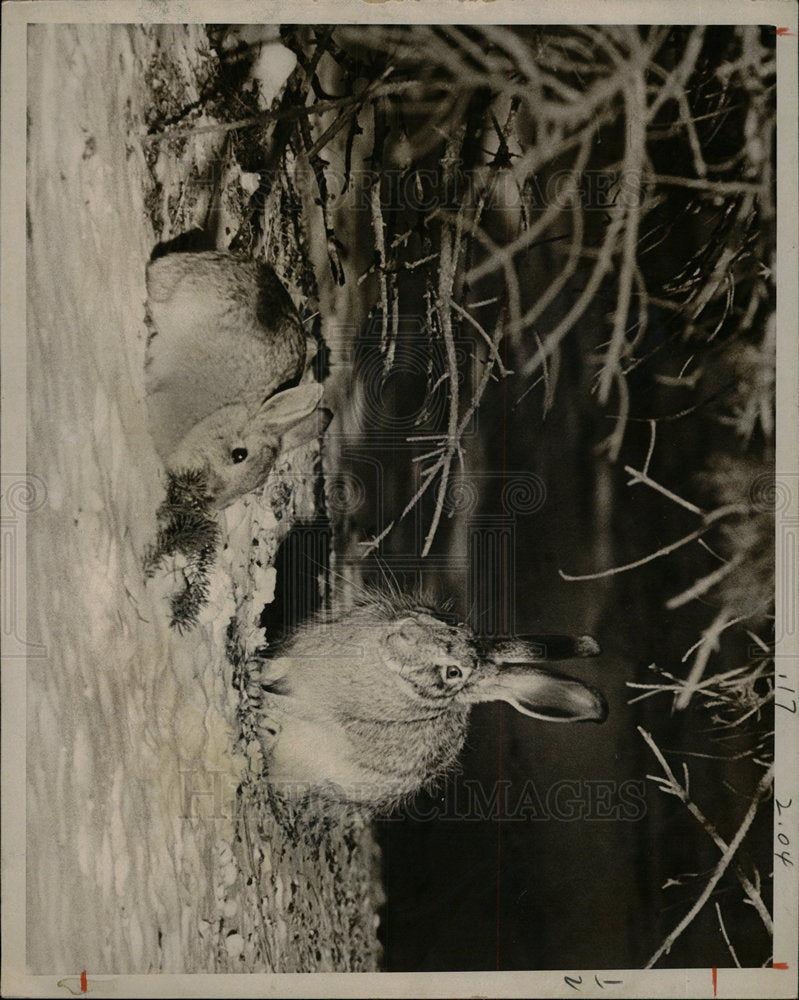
<point x="226" y="340"/>
<point x="373" y="705"/>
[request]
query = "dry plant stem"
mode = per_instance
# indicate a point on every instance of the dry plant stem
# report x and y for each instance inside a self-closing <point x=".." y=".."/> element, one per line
<point x="485" y="378"/>
<point x="642" y="477"/>
<point x="603" y="265"/>
<point x="614" y="442"/>
<point x="726" y="938"/>
<point x="522" y="56"/>
<point x="503" y="255"/>
<point x="266" y="118"/>
<point x="716" y="681"/>
<point x="470" y="47"/>
<point x="549" y="388"/>
<point x="727" y="679"/>
<point x="698" y="643"/>
<point x="304" y="111"/>
<point x="512" y="293"/>
<point x="440" y="53"/>
<point x="708" y="645"/>
<point x="650" y="452"/>
<point x="674" y="787"/>
<point x="395" y="319"/>
<point x="575" y="248"/>
<point x="575" y="108"/>
<point x="492" y="67"/>
<point x="643" y="309"/>
<point x="380" y="248"/>
<point x="686" y="117"/>
<point x="601" y="38"/>
<point x="755" y="709"/>
<point x="445" y="283"/>
<point x="710" y="519"/>
<point x="675" y="83"/>
<point x="757" y="640"/>
<point x="373" y="543"/>
<point x="721" y="268"/>
<point x="715" y="187"/>
<point x="524" y="241"/>
<point x="632" y="174"/>
<point x="492" y="347"/>
<point x="704" y="584"/>
<point x="428" y="477"/>
<point x="334" y="129"/>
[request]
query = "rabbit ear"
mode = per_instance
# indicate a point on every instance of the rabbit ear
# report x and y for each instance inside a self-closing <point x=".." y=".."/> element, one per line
<point x="542" y="648"/>
<point x="537" y="691"/>
<point x="294" y="415"/>
<point x="288" y="407"/>
<point x="543" y="694"/>
<point x="406" y="636"/>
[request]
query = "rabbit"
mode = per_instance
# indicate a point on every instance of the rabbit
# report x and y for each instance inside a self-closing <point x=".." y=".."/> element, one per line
<point x="373" y="705"/>
<point x="236" y="445"/>
<point x="226" y="337"/>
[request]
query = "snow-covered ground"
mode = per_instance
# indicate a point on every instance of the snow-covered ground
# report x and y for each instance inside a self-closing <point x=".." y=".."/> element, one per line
<point x="133" y="745"/>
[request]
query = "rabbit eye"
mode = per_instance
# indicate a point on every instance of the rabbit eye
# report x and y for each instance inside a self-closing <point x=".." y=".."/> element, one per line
<point x="238" y="455"/>
<point x="453" y="673"/>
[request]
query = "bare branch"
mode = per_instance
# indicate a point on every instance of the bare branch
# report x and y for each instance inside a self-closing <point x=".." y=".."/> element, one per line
<point x="673" y="786"/>
<point x="642" y="477"/>
<point x="726" y="938"/>
<point x="632" y="173"/>
<point x="710" y="519"/>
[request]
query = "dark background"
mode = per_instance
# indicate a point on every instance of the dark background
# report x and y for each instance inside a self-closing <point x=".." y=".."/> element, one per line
<point x="501" y="892"/>
<point x="594" y="892"/>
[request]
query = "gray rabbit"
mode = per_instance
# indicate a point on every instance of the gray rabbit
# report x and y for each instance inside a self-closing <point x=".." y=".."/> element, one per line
<point x="227" y="339"/>
<point x="372" y="705"/>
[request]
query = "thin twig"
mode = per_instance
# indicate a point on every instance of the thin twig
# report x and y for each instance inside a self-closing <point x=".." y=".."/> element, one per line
<point x="705" y="583"/>
<point x="493" y="350"/>
<point x="576" y="246"/>
<point x="710" y="519"/>
<point x="632" y="172"/>
<point x="726" y="938"/>
<point x="601" y="268"/>
<point x="287" y="114"/>
<point x="614" y="442"/>
<point x="380" y="250"/>
<point x="708" y="645"/>
<point x="642" y="477"/>
<point x="485" y="378"/>
<point x="652" y="435"/>
<point x="728" y="850"/>
<point x="698" y="643"/>
<point x="714" y="187"/>
<point x="446" y="278"/>
<point x="373" y="543"/>
<point x="677" y="79"/>
<point x="693" y="138"/>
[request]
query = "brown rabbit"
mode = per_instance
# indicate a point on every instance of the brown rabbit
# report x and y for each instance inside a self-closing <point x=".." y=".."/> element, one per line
<point x="373" y="705"/>
<point x="226" y="337"/>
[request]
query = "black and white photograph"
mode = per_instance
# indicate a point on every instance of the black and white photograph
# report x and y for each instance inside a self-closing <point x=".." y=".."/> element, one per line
<point x="400" y="499"/>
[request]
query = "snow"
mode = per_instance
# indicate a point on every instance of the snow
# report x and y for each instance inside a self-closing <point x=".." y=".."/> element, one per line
<point x="272" y="64"/>
<point x="123" y="710"/>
